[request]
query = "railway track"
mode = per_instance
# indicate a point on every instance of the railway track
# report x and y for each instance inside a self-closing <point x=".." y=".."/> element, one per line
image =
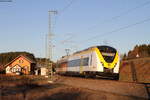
<point x="118" y="88"/>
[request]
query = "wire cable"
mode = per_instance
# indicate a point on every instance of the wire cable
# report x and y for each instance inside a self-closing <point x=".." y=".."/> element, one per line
<point x="117" y="16"/>
<point x="111" y="19"/>
<point x="67" y="6"/>
<point x="116" y="30"/>
<point x="121" y="14"/>
<point x="62" y="11"/>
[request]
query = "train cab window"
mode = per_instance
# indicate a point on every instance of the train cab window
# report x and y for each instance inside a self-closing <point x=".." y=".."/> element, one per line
<point x="106" y="49"/>
<point x="108" y="53"/>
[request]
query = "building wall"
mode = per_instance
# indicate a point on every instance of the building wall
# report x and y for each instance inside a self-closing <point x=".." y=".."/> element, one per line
<point x="23" y="63"/>
<point x="44" y="71"/>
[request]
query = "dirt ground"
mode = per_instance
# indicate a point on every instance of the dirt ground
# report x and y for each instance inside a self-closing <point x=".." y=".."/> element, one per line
<point x="111" y="89"/>
<point x="70" y="88"/>
<point x="61" y="92"/>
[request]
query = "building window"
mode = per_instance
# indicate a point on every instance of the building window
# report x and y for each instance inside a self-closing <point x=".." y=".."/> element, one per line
<point x="13" y="70"/>
<point x="20" y="61"/>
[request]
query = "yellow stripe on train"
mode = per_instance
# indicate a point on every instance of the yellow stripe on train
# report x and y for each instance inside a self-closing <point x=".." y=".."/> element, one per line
<point x="104" y="63"/>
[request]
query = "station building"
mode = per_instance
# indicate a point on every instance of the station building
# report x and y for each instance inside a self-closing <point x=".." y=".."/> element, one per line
<point x="21" y="65"/>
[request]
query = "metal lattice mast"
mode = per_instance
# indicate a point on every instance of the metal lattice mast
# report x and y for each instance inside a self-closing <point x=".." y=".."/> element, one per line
<point x="49" y="42"/>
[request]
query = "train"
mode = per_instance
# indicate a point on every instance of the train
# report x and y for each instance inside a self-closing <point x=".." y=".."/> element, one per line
<point x="101" y="61"/>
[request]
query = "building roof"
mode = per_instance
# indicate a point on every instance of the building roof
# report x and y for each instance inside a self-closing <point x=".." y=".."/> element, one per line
<point x="27" y="58"/>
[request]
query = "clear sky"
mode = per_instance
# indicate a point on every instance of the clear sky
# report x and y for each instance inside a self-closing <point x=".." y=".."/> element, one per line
<point x="78" y="25"/>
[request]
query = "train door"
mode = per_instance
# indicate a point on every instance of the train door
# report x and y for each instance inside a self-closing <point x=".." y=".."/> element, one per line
<point x="81" y="65"/>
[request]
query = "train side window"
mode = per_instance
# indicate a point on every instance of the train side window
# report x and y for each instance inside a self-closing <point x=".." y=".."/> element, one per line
<point x="86" y="61"/>
<point x="77" y="62"/>
<point x="74" y="63"/>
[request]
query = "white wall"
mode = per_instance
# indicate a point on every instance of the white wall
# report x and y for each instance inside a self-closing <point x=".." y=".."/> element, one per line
<point x="44" y="71"/>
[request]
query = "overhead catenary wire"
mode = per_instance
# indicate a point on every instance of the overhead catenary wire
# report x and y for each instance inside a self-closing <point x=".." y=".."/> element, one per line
<point x="62" y="11"/>
<point x="66" y="7"/>
<point x="121" y="14"/>
<point x="67" y="40"/>
<point x="116" y="30"/>
<point x="111" y="19"/>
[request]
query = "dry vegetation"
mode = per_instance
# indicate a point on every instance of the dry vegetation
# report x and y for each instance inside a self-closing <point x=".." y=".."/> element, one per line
<point x="18" y="87"/>
<point x="37" y="88"/>
<point x="136" y="70"/>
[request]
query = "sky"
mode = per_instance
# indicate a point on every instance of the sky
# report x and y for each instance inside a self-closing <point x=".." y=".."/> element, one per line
<point x="79" y="24"/>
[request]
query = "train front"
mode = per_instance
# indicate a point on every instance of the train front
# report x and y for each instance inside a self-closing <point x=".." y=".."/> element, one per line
<point x="109" y="59"/>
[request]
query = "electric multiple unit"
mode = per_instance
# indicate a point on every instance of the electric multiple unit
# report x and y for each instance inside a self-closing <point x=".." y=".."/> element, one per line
<point x="94" y="61"/>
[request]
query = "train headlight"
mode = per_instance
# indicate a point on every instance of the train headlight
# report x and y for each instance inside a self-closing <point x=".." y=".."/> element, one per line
<point x="115" y="64"/>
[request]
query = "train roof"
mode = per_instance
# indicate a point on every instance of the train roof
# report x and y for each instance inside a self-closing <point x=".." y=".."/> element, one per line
<point x="65" y="58"/>
<point x="85" y="50"/>
<point x="102" y="47"/>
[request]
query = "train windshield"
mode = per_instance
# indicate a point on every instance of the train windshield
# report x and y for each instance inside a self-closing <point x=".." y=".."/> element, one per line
<point x="108" y="53"/>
